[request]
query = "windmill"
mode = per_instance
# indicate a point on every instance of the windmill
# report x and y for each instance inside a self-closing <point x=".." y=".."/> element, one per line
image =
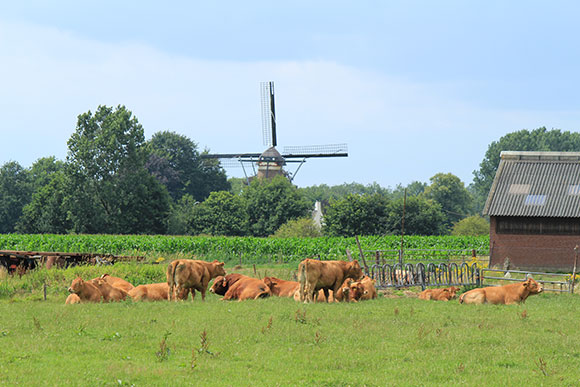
<point x="271" y="163"/>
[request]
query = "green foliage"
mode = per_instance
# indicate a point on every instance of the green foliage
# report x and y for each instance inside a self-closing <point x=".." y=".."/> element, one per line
<point x="298" y="228"/>
<point x="539" y="139"/>
<point x="272" y="202"/>
<point x="323" y="192"/>
<point x="175" y="161"/>
<point x="222" y="213"/>
<point x="473" y="225"/>
<point x="357" y="215"/>
<point x="422" y="217"/>
<point x="14" y="194"/>
<point x="449" y="191"/>
<point x="110" y="190"/>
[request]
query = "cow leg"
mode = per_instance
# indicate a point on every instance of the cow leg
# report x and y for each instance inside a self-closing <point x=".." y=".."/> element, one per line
<point x="192" y="294"/>
<point x="202" y="294"/>
<point x="326" y="294"/>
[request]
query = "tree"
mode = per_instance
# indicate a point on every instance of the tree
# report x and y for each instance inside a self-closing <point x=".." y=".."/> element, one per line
<point x="43" y="170"/>
<point x="111" y="192"/>
<point x="46" y="213"/>
<point x="473" y="225"/>
<point x="357" y="215"/>
<point x="175" y="161"/>
<point x="272" y="202"/>
<point x="422" y="217"/>
<point x="450" y="192"/>
<point x="14" y="194"/>
<point x="323" y="192"/>
<point x="539" y="139"/>
<point x="222" y="213"/>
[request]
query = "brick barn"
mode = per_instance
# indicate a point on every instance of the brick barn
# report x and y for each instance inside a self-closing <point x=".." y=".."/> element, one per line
<point x="534" y="210"/>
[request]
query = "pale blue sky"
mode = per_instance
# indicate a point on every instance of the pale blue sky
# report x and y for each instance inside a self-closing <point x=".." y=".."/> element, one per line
<point x="414" y="87"/>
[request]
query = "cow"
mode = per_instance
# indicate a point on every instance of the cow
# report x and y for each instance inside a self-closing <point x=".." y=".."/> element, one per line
<point x="506" y="294"/>
<point x="240" y="287"/>
<point x="315" y="275"/>
<point x="444" y="294"/>
<point x="150" y="292"/>
<point x="54" y="261"/>
<point x="318" y="297"/>
<point x="343" y="294"/>
<point x="191" y="275"/>
<point x="109" y="292"/>
<point x="72" y="298"/>
<point x="370" y="292"/>
<point x="281" y="288"/>
<point x="86" y="290"/>
<point x="116" y="282"/>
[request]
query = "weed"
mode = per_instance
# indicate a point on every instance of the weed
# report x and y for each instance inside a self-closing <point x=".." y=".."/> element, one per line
<point x="164" y="351"/>
<point x="300" y="316"/>
<point x="268" y="326"/>
<point x="204" y="344"/>
<point x="460" y="368"/>
<point x="37" y="324"/>
<point x="422" y="332"/>
<point x="542" y="366"/>
<point x="114" y="336"/>
<point x="318" y="338"/>
<point x="396" y="311"/>
<point x="524" y="314"/>
<point x="193" y="363"/>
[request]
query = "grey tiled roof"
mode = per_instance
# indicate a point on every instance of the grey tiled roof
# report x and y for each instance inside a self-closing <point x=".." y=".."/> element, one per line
<point x="542" y="184"/>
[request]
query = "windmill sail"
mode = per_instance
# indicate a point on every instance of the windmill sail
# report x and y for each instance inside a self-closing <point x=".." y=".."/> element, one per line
<point x="268" y="114"/>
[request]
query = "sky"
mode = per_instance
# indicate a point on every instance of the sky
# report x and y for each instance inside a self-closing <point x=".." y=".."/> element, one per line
<point x="414" y="88"/>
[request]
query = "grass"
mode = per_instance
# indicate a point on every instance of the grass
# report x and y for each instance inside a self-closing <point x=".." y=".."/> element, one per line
<point x="402" y="341"/>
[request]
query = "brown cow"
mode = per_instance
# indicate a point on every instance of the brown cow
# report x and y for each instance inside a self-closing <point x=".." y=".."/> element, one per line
<point x="73" y="298"/>
<point x="507" y="294"/>
<point x="281" y="288"/>
<point x="240" y="287"/>
<point x="191" y="275"/>
<point x="54" y="261"/>
<point x="326" y="275"/>
<point x="444" y="294"/>
<point x="319" y="297"/>
<point x="116" y="282"/>
<point x="86" y="290"/>
<point x="109" y="292"/>
<point x="343" y="294"/>
<point x="150" y="292"/>
<point x="370" y="292"/>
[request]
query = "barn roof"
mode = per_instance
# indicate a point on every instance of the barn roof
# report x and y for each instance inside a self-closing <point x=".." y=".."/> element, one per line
<point x="536" y="184"/>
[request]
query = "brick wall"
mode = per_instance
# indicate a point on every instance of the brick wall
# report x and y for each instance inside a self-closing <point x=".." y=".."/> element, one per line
<point x="532" y="252"/>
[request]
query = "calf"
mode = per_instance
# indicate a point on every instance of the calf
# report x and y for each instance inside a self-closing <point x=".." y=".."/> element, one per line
<point x="370" y="292"/>
<point x="240" y="287"/>
<point x="72" y="299"/>
<point x="86" y="290"/>
<point x="315" y="275"/>
<point x="188" y="275"/>
<point x="444" y="294"/>
<point x="507" y="294"/>
<point x="150" y="292"/>
<point x="281" y="288"/>
<point x="109" y="292"/>
<point x="116" y="282"/>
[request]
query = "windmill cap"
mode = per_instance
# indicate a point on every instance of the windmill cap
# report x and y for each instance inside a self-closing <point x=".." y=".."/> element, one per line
<point x="271" y="155"/>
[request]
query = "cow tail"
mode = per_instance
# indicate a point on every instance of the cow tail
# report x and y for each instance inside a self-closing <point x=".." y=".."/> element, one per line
<point x="170" y="280"/>
<point x="302" y="276"/>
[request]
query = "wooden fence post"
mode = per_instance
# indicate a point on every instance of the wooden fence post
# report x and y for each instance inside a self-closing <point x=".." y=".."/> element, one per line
<point x="574" y="269"/>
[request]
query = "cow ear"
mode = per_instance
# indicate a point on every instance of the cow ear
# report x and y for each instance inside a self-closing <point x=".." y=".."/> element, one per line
<point x="220" y="263"/>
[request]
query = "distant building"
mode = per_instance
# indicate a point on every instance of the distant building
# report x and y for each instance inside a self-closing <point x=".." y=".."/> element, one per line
<point x="534" y="210"/>
<point x="317" y="214"/>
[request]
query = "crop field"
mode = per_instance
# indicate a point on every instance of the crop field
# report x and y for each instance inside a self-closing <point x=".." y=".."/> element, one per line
<point x="244" y="249"/>
<point x="396" y="340"/>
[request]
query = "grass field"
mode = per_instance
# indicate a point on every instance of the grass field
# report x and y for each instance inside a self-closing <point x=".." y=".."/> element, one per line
<point x="401" y="341"/>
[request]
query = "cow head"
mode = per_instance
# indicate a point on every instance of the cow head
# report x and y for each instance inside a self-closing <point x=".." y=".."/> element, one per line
<point x="220" y="286"/>
<point x="357" y="290"/>
<point x="77" y="285"/>
<point x="452" y="291"/>
<point x="532" y="286"/>
<point x="354" y="270"/>
<point x="219" y="268"/>
<point x="270" y="281"/>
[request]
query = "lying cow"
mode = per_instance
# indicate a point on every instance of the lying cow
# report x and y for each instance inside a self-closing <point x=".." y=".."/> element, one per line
<point x="116" y="282"/>
<point x="151" y="292"/>
<point x="73" y="298"/>
<point x="281" y="288"/>
<point x="444" y="294"/>
<point x="507" y="294"/>
<point x="188" y="275"/>
<point x="109" y="292"/>
<point x="370" y="292"/>
<point x="85" y="290"/>
<point x="240" y="287"/>
<point x="315" y="275"/>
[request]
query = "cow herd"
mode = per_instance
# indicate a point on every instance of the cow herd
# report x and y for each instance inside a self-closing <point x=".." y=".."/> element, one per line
<point x="326" y="281"/>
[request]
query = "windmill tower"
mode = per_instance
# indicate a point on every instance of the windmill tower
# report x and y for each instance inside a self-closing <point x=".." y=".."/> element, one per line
<point x="271" y="162"/>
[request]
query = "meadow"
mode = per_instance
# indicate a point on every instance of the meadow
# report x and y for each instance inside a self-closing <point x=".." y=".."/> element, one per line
<point x="396" y="340"/>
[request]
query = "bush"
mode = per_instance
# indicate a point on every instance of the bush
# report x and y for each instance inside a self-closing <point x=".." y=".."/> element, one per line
<point x="473" y="225"/>
<point x="298" y="228"/>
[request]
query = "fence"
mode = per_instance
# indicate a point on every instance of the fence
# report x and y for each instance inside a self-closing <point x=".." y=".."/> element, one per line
<point x="565" y="284"/>
<point x="381" y="257"/>
<point x="408" y="275"/>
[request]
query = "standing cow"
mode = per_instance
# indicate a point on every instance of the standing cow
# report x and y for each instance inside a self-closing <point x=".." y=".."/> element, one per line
<point x="326" y="275"/>
<point x="184" y="275"/>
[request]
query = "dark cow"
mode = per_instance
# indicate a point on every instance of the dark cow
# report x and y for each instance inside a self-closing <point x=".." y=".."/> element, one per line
<point x="240" y="287"/>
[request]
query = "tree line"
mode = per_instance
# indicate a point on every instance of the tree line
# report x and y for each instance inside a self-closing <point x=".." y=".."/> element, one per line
<point x="114" y="181"/>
